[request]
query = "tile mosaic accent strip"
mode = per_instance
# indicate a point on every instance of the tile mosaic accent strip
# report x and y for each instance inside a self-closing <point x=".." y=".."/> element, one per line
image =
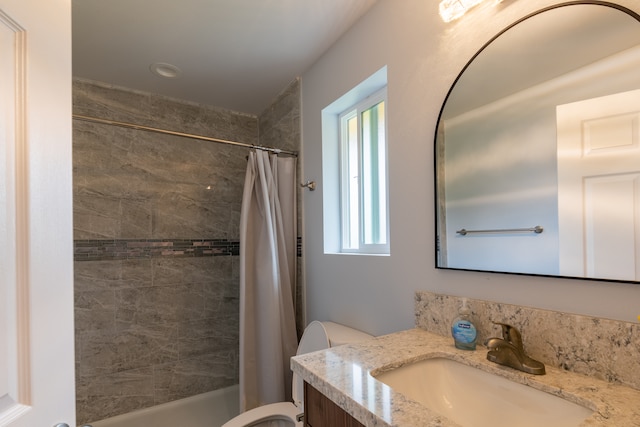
<point x="115" y="249"/>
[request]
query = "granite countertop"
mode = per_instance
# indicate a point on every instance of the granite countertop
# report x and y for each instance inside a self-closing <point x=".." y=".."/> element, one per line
<point x="342" y="374"/>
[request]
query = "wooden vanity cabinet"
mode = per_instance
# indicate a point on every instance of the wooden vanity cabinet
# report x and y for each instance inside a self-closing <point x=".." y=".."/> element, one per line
<point x="320" y="411"/>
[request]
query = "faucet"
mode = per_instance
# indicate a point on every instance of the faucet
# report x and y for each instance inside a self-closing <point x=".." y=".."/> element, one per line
<point x="509" y="351"/>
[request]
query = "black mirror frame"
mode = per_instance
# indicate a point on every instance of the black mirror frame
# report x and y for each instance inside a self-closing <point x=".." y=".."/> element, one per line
<point x="621" y="8"/>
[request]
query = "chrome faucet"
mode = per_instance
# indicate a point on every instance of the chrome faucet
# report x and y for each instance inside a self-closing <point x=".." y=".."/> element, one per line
<point x="509" y="351"/>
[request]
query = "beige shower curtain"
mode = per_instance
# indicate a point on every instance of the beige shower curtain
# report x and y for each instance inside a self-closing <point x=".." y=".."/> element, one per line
<point x="268" y="253"/>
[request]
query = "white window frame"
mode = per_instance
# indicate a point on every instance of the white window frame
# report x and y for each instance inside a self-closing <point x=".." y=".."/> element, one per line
<point x="350" y="182"/>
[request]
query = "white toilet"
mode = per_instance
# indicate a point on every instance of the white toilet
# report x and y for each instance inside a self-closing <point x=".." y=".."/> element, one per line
<point x="316" y="336"/>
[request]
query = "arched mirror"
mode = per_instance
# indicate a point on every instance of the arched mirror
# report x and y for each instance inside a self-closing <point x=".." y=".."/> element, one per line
<point x="538" y="149"/>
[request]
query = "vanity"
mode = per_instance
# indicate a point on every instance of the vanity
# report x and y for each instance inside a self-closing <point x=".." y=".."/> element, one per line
<point x="591" y="375"/>
<point x="321" y="411"/>
<point x="346" y="376"/>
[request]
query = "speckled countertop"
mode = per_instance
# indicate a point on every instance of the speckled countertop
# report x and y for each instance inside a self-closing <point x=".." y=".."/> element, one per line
<point x="343" y="375"/>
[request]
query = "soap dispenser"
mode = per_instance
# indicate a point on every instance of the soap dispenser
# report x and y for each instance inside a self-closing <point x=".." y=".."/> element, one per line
<point x="463" y="331"/>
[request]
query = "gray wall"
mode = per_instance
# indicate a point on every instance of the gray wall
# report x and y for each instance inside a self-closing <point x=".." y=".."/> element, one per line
<point x="423" y="57"/>
<point x="156" y="241"/>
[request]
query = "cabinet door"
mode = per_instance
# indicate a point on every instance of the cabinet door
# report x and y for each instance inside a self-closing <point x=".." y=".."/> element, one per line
<point x="320" y="411"/>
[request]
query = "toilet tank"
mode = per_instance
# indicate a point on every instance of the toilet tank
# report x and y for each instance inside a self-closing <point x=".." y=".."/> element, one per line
<point x="340" y="334"/>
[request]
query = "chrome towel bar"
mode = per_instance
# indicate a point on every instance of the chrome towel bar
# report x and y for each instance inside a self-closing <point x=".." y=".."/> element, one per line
<point x="537" y="229"/>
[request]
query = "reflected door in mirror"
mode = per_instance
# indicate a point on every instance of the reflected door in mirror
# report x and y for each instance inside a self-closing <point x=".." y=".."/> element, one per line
<point x="599" y="186"/>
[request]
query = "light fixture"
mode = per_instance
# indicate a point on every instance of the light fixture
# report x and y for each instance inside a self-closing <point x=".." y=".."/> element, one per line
<point x="453" y="9"/>
<point x="163" y="69"/>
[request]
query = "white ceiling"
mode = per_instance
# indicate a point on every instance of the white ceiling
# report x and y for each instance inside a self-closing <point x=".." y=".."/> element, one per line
<point x="235" y="54"/>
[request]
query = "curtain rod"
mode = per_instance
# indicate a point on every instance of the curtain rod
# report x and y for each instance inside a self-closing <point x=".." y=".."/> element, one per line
<point x="181" y="134"/>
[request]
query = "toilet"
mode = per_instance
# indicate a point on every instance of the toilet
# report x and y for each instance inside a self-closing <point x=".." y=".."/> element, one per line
<point x="316" y="336"/>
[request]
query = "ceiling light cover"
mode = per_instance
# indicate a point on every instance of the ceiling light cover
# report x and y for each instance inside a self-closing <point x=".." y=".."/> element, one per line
<point x="163" y="69"/>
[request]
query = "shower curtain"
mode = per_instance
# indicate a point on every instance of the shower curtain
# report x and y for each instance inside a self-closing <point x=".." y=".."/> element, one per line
<point x="268" y="253"/>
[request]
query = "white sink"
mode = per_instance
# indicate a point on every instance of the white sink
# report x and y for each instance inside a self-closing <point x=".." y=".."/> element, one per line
<point x="474" y="398"/>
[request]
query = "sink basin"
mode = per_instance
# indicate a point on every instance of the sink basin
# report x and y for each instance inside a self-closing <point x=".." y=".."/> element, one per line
<point x="475" y="398"/>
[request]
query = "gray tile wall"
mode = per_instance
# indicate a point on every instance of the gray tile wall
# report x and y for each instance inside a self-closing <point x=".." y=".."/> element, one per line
<point x="156" y="229"/>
